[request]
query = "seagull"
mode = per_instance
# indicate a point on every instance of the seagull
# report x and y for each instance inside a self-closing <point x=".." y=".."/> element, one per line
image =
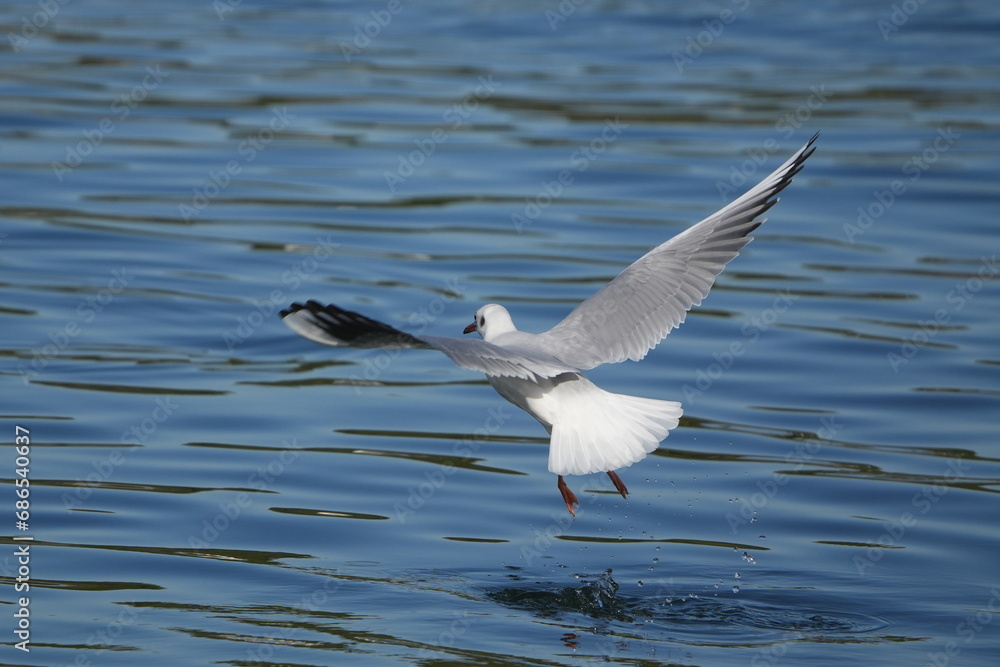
<point x="591" y="430"/>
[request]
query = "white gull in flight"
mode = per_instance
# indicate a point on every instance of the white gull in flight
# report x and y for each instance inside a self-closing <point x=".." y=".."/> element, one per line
<point x="592" y="430"/>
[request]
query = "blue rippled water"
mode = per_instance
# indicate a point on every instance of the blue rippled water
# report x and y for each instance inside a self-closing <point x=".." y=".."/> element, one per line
<point x="208" y="488"/>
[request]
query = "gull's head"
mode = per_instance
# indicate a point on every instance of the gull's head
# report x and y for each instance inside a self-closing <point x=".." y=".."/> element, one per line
<point x="491" y="321"/>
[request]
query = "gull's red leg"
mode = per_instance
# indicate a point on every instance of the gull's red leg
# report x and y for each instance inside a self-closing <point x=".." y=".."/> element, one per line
<point x="568" y="496"/>
<point x="619" y="484"/>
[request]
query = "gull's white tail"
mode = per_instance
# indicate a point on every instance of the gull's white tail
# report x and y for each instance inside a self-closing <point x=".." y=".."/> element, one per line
<point x="603" y="431"/>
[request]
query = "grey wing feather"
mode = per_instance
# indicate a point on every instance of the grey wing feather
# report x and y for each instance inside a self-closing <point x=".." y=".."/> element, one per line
<point x="637" y="309"/>
<point x="330" y="325"/>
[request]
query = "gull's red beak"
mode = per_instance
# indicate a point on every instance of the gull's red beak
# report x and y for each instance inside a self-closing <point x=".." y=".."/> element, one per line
<point x="470" y="328"/>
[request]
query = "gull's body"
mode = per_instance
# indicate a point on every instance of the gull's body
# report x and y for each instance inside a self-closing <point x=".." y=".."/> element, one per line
<point x="592" y="430"/>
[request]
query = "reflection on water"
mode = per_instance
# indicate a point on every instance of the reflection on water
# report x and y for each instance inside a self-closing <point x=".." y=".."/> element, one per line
<point x="206" y="488"/>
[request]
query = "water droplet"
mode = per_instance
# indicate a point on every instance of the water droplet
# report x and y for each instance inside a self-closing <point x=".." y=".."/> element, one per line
<point x="656" y="560"/>
<point x="736" y="589"/>
<point x="640" y="582"/>
<point x="737" y="575"/>
<point x="763" y="537"/>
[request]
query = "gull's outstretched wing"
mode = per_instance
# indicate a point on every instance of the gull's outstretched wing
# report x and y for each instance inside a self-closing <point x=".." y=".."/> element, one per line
<point x="330" y="325"/>
<point x="637" y="309"/>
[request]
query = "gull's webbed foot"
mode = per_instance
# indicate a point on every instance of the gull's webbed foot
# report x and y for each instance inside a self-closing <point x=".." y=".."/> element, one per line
<point x="619" y="484"/>
<point x="568" y="496"/>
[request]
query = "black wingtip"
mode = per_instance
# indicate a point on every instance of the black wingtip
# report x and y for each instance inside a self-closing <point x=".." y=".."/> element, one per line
<point x="311" y="305"/>
<point x="294" y="308"/>
<point x="810" y="149"/>
<point x="800" y="162"/>
<point x="351" y="328"/>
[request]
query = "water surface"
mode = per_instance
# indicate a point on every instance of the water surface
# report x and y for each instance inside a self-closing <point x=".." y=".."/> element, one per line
<point x="209" y="488"/>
